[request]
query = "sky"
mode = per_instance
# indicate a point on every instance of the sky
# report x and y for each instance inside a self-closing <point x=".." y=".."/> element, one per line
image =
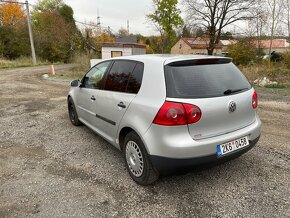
<point x="114" y="13"/>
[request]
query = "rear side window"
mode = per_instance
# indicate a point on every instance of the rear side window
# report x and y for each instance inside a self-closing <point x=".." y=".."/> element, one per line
<point x="204" y="81"/>
<point x="118" y="77"/>
<point x="135" y="79"/>
<point x="124" y="76"/>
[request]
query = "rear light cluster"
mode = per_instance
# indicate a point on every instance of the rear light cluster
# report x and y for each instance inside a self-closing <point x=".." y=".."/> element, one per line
<point x="255" y="100"/>
<point x="176" y="114"/>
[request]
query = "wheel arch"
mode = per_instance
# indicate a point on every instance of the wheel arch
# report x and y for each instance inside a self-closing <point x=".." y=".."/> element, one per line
<point x="125" y="131"/>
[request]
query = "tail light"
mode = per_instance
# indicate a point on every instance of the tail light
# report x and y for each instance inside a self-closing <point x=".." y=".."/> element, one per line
<point x="176" y="114"/>
<point x="255" y="100"/>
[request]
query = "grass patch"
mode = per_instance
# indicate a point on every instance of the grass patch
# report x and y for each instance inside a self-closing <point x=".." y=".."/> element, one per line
<point x="19" y="62"/>
<point x="68" y="75"/>
<point x="277" y="86"/>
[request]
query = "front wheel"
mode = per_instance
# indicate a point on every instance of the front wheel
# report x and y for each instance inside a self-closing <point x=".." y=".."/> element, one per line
<point x="137" y="160"/>
<point x="73" y="116"/>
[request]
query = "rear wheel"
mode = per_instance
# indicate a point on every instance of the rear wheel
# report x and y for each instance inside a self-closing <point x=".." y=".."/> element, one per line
<point x="73" y="116"/>
<point x="137" y="160"/>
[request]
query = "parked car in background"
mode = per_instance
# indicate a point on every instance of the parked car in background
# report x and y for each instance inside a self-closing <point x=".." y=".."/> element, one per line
<point x="168" y="112"/>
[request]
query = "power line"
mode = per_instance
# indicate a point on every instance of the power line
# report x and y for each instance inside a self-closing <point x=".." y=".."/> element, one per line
<point x="4" y="1"/>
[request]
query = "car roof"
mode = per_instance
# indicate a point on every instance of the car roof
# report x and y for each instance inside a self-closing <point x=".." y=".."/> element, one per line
<point x="167" y="58"/>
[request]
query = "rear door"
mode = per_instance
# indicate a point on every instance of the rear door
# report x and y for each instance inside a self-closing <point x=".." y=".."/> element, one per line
<point x="218" y="88"/>
<point x="122" y="83"/>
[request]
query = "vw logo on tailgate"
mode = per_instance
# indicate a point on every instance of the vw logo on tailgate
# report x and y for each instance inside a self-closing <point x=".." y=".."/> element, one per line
<point x="232" y="106"/>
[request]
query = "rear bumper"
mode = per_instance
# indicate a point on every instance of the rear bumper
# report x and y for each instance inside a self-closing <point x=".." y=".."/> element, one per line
<point x="165" y="164"/>
<point x="176" y="142"/>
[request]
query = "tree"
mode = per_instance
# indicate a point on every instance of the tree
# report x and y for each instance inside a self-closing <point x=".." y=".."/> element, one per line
<point x="275" y="9"/>
<point x="11" y="14"/>
<point x="186" y="32"/>
<point x="53" y="37"/>
<point x="49" y="5"/>
<point x="57" y="36"/>
<point x="215" y="15"/>
<point x="13" y="41"/>
<point x="227" y="35"/>
<point x="242" y="52"/>
<point x="13" y="31"/>
<point x="166" y="18"/>
<point x="123" y="32"/>
<point x="258" y="23"/>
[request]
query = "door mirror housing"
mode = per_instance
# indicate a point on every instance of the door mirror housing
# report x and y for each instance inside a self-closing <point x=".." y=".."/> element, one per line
<point x="75" y="83"/>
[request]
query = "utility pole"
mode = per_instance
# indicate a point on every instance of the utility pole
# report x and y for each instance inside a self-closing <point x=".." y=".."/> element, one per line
<point x="30" y="34"/>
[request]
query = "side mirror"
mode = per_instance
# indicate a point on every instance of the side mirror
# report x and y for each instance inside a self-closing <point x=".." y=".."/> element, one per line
<point x="75" y="83"/>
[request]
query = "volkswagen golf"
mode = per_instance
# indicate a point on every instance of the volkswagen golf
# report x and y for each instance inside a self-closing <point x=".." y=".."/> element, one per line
<point x="167" y="112"/>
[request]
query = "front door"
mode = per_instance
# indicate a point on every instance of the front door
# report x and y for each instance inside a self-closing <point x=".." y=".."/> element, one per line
<point x="121" y="86"/>
<point x="87" y="95"/>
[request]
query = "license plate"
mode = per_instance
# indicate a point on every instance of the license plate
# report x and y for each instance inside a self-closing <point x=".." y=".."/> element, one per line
<point x="232" y="146"/>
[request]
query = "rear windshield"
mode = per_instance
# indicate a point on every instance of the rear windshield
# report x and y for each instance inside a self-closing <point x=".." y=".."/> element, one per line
<point x="204" y="81"/>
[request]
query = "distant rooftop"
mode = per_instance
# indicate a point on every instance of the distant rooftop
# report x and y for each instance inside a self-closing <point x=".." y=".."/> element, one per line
<point x="122" y="45"/>
<point x="128" y="39"/>
<point x="196" y="43"/>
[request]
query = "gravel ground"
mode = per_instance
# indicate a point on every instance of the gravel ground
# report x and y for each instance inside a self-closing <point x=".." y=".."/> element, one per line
<point x="49" y="168"/>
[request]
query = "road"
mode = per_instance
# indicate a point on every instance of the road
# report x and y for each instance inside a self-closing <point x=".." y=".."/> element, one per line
<point x="49" y="168"/>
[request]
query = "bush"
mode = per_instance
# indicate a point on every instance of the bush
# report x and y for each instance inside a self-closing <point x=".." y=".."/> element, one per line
<point x="286" y="59"/>
<point x="243" y="52"/>
<point x="82" y="62"/>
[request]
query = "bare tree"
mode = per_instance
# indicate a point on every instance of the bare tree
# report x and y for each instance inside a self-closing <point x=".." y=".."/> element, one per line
<point x="276" y="8"/>
<point x="286" y="16"/>
<point x="258" y="22"/>
<point x="215" y="15"/>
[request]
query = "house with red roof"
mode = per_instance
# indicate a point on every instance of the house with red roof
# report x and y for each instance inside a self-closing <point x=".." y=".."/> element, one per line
<point x="278" y="45"/>
<point x="194" y="46"/>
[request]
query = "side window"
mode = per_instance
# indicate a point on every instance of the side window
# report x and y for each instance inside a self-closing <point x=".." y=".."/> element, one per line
<point x="135" y="79"/>
<point x="94" y="79"/>
<point x="118" y="77"/>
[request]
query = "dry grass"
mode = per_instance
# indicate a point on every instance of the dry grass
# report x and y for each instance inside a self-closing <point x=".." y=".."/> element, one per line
<point x="82" y="62"/>
<point x="278" y="72"/>
<point x="19" y="62"/>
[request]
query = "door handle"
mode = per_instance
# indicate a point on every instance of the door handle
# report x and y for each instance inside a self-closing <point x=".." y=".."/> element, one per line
<point x="93" y="98"/>
<point x="122" y="105"/>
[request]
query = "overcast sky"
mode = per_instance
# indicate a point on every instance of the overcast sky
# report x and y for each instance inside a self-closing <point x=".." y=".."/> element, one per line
<point x="114" y="13"/>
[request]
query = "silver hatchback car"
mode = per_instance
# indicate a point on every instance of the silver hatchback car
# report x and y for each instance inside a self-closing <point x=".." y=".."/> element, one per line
<point x="168" y="112"/>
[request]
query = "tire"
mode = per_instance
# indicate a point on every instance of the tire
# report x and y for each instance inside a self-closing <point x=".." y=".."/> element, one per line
<point x="137" y="160"/>
<point x="73" y="116"/>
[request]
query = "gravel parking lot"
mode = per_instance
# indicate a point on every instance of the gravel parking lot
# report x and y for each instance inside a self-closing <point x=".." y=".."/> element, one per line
<point x="49" y="168"/>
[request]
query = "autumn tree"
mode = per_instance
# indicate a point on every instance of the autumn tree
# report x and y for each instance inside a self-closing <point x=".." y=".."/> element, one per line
<point x="11" y="13"/>
<point x="13" y="31"/>
<point x="57" y="36"/>
<point x="215" y="15"/>
<point x="166" y="18"/>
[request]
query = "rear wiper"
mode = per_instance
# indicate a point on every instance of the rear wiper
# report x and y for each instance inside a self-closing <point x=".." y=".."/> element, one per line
<point x="230" y="91"/>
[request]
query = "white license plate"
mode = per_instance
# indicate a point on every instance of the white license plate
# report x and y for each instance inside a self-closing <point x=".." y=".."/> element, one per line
<point x="231" y="146"/>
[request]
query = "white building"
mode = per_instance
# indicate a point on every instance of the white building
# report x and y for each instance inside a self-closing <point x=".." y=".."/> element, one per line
<point x="117" y="49"/>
